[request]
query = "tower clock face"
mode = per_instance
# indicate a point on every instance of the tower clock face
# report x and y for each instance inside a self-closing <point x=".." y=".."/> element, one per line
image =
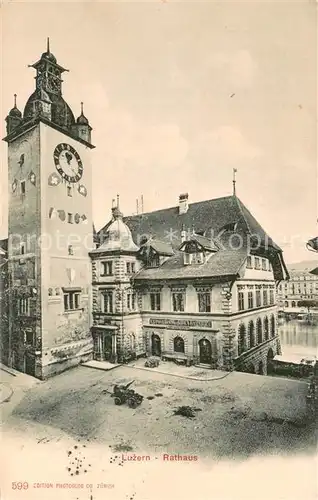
<point x="68" y="162"/>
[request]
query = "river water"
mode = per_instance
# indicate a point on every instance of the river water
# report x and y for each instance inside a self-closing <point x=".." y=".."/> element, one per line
<point x="298" y="337"/>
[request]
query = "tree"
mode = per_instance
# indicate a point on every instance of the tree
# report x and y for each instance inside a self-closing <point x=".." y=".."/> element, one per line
<point x="309" y="304"/>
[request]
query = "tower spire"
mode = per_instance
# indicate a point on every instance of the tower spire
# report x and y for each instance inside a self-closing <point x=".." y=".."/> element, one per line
<point x="48" y="45"/>
<point x="15" y="100"/>
<point x="234" y="181"/>
<point x="82" y="104"/>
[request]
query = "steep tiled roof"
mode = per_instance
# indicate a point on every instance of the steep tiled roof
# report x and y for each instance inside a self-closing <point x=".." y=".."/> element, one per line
<point x="224" y="221"/>
<point x="225" y="263"/>
<point x="208" y="217"/>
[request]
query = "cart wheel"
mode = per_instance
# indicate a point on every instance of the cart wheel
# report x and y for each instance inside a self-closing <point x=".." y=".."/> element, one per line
<point x="132" y="403"/>
<point x="117" y="401"/>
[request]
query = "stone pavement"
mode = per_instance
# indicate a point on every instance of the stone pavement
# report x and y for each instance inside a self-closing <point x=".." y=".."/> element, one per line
<point x="191" y="373"/>
<point x="165" y="368"/>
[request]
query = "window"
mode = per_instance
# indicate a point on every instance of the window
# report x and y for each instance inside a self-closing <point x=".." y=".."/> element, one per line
<point x="257" y="263"/>
<point x="197" y="258"/>
<point x="24" y="306"/>
<point x="107" y="268"/>
<point x="131" y="301"/>
<point x="22" y="248"/>
<point x="265" y="298"/>
<point x="250" y="300"/>
<point x="204" y="299"/>
<point x="155" y="301"/>
<point x="240" y="301"/>
<point x="258" y="298"/>
<point x="69" y="191"/>
<point x="251" y="335"/>
<point x="241" y="339"/>
<point x="266" y="329"/>
<point x="71" y="301"/>
<point x="271" y="297"/>
<point x="178" y="299"/>
<point x="249" y="262"/>
<point x="70" y="250"/>
<point x="70" y="218"/>
<point x="23" y="187"/>
<point x="264" y="267"/>
<point x="273" y="329"/>
<point x="29" y="338"/>
<point x="259" y="331"/>
<point x="107" y="303"/>
<point x="154" y="261"/>
<point x="178" y="344"/>
<point x="130" y="267"/>
<point x="187" y="258"/>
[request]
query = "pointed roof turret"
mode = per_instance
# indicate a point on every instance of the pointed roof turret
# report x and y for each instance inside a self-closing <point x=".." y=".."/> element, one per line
<point x="82" y="120"/>
<point x="15" y="111"/>
<point x="48" y="55"/>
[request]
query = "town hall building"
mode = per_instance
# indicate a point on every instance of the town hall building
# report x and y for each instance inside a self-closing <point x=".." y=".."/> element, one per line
<point x="195" y="284"/>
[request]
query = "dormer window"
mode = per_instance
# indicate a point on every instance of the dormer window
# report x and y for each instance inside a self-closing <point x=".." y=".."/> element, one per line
<point x="196" y="248"/>
<point x="249" y="263"/>
<point x="153" y="261"/>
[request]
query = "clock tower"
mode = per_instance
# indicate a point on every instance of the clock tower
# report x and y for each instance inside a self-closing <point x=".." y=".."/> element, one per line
<point x="50" y="229"/>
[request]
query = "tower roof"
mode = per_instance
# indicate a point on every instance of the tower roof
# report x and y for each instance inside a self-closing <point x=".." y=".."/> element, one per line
<point x="15" y="111"/>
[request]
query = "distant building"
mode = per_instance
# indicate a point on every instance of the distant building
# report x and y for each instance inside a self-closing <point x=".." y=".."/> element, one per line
<point x="300" y="286"/>
<point x="195" y="283"/>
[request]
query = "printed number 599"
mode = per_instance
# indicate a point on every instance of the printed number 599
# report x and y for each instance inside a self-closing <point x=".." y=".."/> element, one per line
<point x="20" y="485"/>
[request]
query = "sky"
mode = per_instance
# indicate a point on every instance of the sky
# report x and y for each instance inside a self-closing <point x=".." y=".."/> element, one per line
<point x="179" y="94"/>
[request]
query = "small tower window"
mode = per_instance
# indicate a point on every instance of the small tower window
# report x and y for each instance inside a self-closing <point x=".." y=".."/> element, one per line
<point x="69" y="191"/>
<point x="70" y="250"/>
<point x="70" y="218"/>
<point x="23" y="187"/>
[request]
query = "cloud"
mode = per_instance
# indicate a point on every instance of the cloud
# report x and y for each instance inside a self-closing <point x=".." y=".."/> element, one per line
<point x="239" y="67"/>
<point x="224" y="145"/>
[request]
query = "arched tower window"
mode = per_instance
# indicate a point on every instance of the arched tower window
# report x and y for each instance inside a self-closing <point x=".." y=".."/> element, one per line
<point x="178" y="344"/>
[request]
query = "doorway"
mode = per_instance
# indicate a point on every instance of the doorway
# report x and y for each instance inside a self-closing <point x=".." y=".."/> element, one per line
<point x="29" y="365"/>
<point x="205" y="352"/>
<point x="107" y="347"/>
<point x="155" y="345"/>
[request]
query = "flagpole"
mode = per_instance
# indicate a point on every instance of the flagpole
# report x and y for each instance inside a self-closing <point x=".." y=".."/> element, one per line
<point x="234" y="181"/>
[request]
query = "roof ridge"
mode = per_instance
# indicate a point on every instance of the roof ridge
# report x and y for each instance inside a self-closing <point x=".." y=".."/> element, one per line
<point x="176" y="206"/>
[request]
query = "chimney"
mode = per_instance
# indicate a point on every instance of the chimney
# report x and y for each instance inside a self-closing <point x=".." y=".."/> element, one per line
<point x="183" y="203"/>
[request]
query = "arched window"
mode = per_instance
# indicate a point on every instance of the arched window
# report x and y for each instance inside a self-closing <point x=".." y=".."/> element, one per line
<point x="273" y="327"/>
<point x="241" y="339"/>
<point x="178" y="344"/>
<point x="132" y="342"/>
<point x="293" y="304"/>
<point x="251" y="334"/>
<point x="259" y="331"/>
<point x="266" y="328"/>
